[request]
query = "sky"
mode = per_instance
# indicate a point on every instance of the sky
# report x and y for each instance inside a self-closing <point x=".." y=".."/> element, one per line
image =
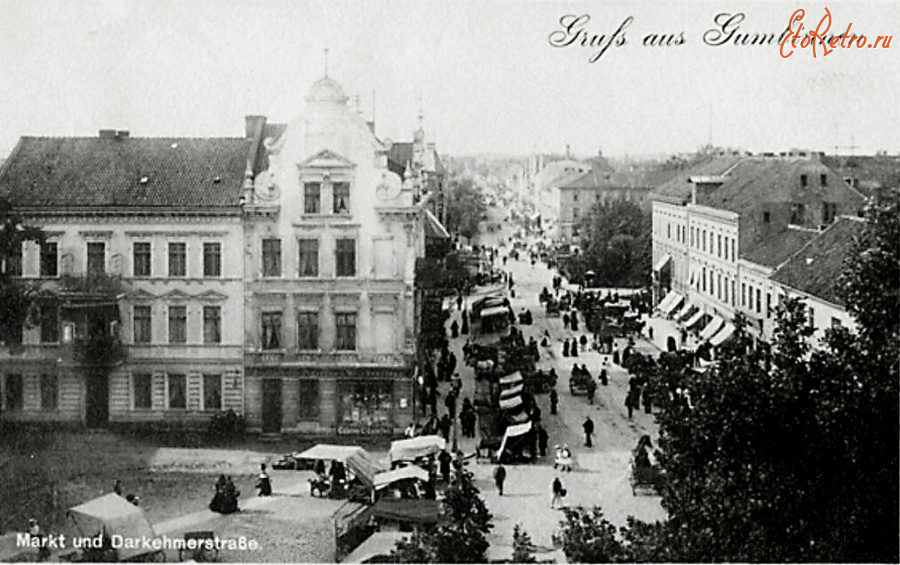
<point x="503" y="77"/>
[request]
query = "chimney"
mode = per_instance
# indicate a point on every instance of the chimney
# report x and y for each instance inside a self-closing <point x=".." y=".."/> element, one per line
<point x="122" y="134"/>
<point x="568" y="151"/>
<point x="253" y="125"/>
<point x="107" y="134"/>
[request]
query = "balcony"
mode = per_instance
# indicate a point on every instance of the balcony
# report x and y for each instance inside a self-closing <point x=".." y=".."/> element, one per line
<point x="99" y="351"/>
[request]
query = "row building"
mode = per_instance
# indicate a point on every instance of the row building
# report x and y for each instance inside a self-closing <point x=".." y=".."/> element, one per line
<point x="271" y="274"/>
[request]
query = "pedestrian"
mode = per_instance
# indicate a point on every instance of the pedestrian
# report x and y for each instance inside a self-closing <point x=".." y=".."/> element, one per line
<point x="558" y="493"/>
<point x="574" y="321"/>
<point x="565" y="321"/>
<point x="591" y="388"/>
<point x="616" y="354"/>
<point x="573" y="351"/>
<point x="554" y="401"/>
<point x="629" y="402"/>
<point x="459" y="301"/>
<point x="500" y="477"/>
<point x="264" y="483"/>
<point x="650" y="332"/>
<point x="566" y="347"/>
<point x="583" y="341"/>
<point x="588" y="427"/>
<point x="134" y="499"/>
<point x="444" y="460"/>
<point x="231" y="496"/>
<point x="648" y="401"/>
<point x="450" y="403"/>
<point x="454" y="329"/>
<point x="35" y="531"/>
<point x="604" y="378"/>
<point x="117" y="488"/>
<point x="543" y="438"/>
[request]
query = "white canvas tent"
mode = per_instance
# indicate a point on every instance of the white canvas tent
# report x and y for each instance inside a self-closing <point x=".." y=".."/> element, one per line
<point x="112" y="515"/>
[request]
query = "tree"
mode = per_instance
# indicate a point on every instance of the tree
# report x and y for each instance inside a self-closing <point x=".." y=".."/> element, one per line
<point x="460" y="537"/>
<point x="588" y="537"/>
<point x="465" y="208"/>
<point x="616" y="240"/>
<point x="523" y="548"/>
<point x="16" y="297"/>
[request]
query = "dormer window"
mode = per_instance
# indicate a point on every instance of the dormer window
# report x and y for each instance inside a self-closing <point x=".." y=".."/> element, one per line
<point x="823" y="180"/>
<point x="341" y="197"/>
<point x="804" y="180"/>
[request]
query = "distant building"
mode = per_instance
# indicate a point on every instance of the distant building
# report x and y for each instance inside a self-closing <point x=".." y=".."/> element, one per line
<point x="421" y="159"/>
<point x="722" y="228"/>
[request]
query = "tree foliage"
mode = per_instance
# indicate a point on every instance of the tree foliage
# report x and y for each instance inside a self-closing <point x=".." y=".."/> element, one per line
<point x="16" y="297"/>
<point x="797" y="462"/>
<point x="465" y="208"/>
<point x="616" y="244"/>
<point x="461" y="535"/>
<point x="523" y="548"/>
<point x="588" y="537"/>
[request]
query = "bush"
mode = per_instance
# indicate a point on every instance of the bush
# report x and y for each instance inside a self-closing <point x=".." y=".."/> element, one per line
<point x="227" y="425"/>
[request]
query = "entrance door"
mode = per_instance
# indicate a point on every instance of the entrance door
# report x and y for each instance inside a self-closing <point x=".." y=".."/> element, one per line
<point x="271" y="406"/>
<point x="97" y="400"/>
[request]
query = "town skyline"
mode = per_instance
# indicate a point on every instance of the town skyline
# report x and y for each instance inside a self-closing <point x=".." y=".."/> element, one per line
<point x="506" y="78"/>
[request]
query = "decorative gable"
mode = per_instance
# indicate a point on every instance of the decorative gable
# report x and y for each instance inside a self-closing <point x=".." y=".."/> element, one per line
<point x="327" y="159"/>
<point x="141" y="295"/>
<point x="176" y="296"/>
<point x="212" y="296"/>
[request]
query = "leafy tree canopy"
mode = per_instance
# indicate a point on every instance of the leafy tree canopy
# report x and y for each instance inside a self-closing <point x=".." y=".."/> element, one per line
<point x="16" y="297"/>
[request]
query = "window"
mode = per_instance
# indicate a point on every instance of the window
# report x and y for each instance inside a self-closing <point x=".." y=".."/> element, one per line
<point x="829" y="212"/>
<point x="49" y="261"/>
<point x="309" y="399"/>
<point x="798" y="213"/>
<point x="212" y="392"/>
<point x="307" y="330"/>
<point x="811" y="317"/>
<point x="177" y="324"/>
<point x="743" y="294"/>
<point x="767" y="217"/>
<point x="271" y="330"/>
<point x="142" y="324"/>
<point x="311" y="196"/>
<point x="733" y="257"/>
<point x="15" y="396"/>
<point x="177" y="391"/>
<point x="758" y="301"/>
<point x="823" y="179"/>
<point x="140" y="251"/>
<point x="835" y="323"/>
<point x="212" y="259"/>
<point x="345" y="326"/>
<point x="669" y="231"/>
<point x="574" y="197"/>
<point x="750" y="299"/>
<point x="804" y="180"/>
<point x="719" y="287"/>
<point x="341" y="195"/>
<point x="704" y="240"/>
<point x="271" y="257"/>
<point x="692" y="237"/>
<point x="49" y="323"/>
<point x="768" y="304"/>
<point x="575" y="213"/>
<point x="96" y="258"/>
<point x="725" y="254"/>
<point x="49" y="392"/>
<point x="142" y="391"/>
<point x="212" y="324"/>
<point x="14" y="263"/>
<point x="177" y="259"/>
<point x="345" y="257"/>
<point x="719" y="245"/>
<point x="704" y="279"/>
<point x="725" y="291"/>
<point x="308" y="264"/>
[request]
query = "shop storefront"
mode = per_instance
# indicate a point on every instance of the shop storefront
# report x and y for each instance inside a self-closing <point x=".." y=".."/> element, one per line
<point x="365" y="407"/>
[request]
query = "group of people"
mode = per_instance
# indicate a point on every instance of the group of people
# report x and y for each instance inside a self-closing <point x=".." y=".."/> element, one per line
<point x="225" y="500"/>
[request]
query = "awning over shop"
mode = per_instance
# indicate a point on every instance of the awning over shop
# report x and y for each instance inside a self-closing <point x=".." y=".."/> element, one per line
<point x="723" y="335"/>
<point x="511" y="391"/>
<point x="413" y="448"/>
<point x="674" y="303"/>
<point x="694" y="320"/>
<point x="434" y="228"/>
<point x="712" y="327"/>
<point x="495" y="311"/>
<point x="510" y="403"/>
<point x="684" y="312"/>
<point x="662" y="263"/>
<point x="511" y="379"/>
<point x="667" y="299"/>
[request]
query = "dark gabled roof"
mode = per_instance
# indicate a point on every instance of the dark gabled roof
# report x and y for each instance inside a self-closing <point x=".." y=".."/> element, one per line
<point x="83" y="172"/>
<point x="776" y="248"/>
<point x="647" y="179"/>
<point x="816" y="268"/>
<point x="870" y="171"/>
<point x="678" y="186"/>
<point x="400" y="153"/>
<point x="766" y="179"/>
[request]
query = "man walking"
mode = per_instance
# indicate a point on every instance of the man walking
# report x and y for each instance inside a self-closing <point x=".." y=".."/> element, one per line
<point x="500" y="477"/>
<point x="588" y="427"/>
<point x="558" y="493"/>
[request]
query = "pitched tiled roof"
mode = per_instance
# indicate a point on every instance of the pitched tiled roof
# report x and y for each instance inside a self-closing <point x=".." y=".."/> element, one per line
<point x="79" y="172"/>
<point x="870" y="172"/>
<point x="766" y="179"/>
<point x="678" y="186"/>
<point x="816" y="268"/>
<point x="641" y="178"/>
<point x="775" y="249"/>
<point x="400" y="153"/>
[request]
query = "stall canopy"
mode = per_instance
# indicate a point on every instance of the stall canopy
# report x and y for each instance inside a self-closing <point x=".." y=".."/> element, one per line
<point x="511" y="379"/>
<point x="418" y="510"/>
<point x="694" y="320"/>
<point x="377" y="545"/>
<point x="511" y="391"/>
<point x="495" y="311"/>
<point x="411" y="472"/>
<point x="723" y="335"/>
<point x="358" y="461"/>
<point x="413" y="448"/>
<point x="662" y="263"/>
<point x="712" y="327"/>
<point x="112" y="515"/>
<point x="512" y="432"/>
<point x="667" y="299"/>
<point x="510" y="403"/>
